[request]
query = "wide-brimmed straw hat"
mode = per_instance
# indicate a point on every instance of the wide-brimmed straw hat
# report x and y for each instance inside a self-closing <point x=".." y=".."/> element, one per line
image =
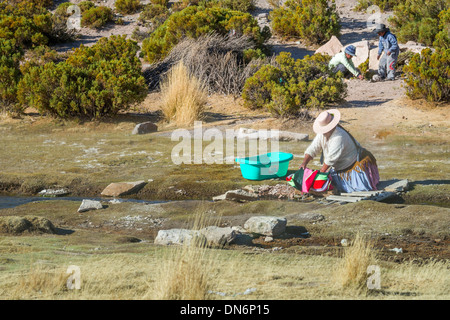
<point x="326" y="121"/>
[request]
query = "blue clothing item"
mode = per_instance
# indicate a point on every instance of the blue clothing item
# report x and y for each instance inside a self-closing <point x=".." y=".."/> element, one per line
<point x="388" y="42"/>
<point x="354" y="181"/>
<point x="386" y="68"/>
<point x="351" y="50"/>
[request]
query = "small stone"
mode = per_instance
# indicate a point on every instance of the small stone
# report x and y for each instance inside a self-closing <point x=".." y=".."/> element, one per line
<point x="123" y="188"/>
<point x="145" y="127"/>
<point x="87" y="205"/>
<point x="240" y="195"/>
<point x="332" y="47"/>
<point x="344" y="242"/>
<point x="265" y="225"/>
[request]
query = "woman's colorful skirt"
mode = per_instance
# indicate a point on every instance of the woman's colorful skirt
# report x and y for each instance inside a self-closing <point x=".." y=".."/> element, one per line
<point x="361" y="176"/>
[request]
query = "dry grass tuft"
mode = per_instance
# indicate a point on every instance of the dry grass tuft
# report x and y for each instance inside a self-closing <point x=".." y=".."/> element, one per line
<point x="216" y="60"/>
<point x="188" y="272"/>
<point x="40" y="282"/>
<point x="184" y="96"/>
<point x="351" y="273"/>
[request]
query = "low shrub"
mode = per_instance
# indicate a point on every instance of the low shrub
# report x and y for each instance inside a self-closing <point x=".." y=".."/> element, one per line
<point x="291" y="86"/>
<point x="163" y="3"/>
<point x="61" y="10"/>
<point x="442" y="39"/>
<point x="195" y="21"/>
<point x="28" y="24"/>
<point x="313" y="21"/>
<point x="427" y="75"/>
<point x="96" y="17"/>
<point x="43" y="3"/>
<point x="10" y="75"/>
<point x="384" y="5"/>
<point x="365" y="71"/>
<point x="152" y="16"/>
<point x="239" y="5"/>
<point x="93" y="82"/>
<point x="39" y="56"/>
<point x="139" y="34"/>
<point x="420" y="21"/>
<point x="128" y="6"/>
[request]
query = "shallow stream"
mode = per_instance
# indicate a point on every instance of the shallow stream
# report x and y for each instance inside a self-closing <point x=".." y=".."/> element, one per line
<point x="14" y="201"/>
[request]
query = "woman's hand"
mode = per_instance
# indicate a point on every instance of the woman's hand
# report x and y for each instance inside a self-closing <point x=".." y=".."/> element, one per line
<point x="324" y="168"/>
<point x="305" y="162"/>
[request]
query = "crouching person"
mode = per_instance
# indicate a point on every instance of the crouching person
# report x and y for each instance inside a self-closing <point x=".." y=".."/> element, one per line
<point x="343" y="62"/>
<point x="350" y="169"/>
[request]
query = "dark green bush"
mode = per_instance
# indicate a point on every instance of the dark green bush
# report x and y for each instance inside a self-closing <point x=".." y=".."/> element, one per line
<point x="313" y="21"/>
<point x="382" y="4"/>
<point x="419" y="20"/>
<point x="427" y="75"/>
<point x="96" y="17"/>
<point x="127" y="6"/>
<point x="28" y="24"/>
<point x="61" y="10"/>
<point x="195" y="21"/>
<point x="43" y="3"/>
<point x="154" y="15"/>
<point x="86" y="5"/>
<point x="292" y="86"/>
<point x="163" y="3"/>
<point x="239" y="5"/>
<point x="10" y="56"/>
<point x="93" y="82"/>
<point x="39" y="56"/>
<point x="442" y="39"/>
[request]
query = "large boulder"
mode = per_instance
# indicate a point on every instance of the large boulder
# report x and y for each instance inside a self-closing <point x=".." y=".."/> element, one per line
<point x="123" y="188"/>
<point x="332" y="47"/>
<point x="219" y="237"/>
<point x="373" y="61"/>
<point x="266" y="225"/>
<point x="362" y="52"/>
<point x="179" y="237"/>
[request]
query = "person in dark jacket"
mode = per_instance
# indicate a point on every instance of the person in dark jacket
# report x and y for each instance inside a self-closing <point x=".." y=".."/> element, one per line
<point x="389" y="45"/>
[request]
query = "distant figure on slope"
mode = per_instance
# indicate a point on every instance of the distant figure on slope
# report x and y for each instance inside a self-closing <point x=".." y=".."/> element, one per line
<point x="387" y="44"/>
<point x="343" y="62"/>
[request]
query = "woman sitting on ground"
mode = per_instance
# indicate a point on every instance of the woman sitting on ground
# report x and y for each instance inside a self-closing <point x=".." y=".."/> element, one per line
<point x="340" y="155"/>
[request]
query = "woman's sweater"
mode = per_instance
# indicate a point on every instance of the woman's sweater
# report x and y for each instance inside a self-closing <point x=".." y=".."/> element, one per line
<point x="339" y="150"/>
